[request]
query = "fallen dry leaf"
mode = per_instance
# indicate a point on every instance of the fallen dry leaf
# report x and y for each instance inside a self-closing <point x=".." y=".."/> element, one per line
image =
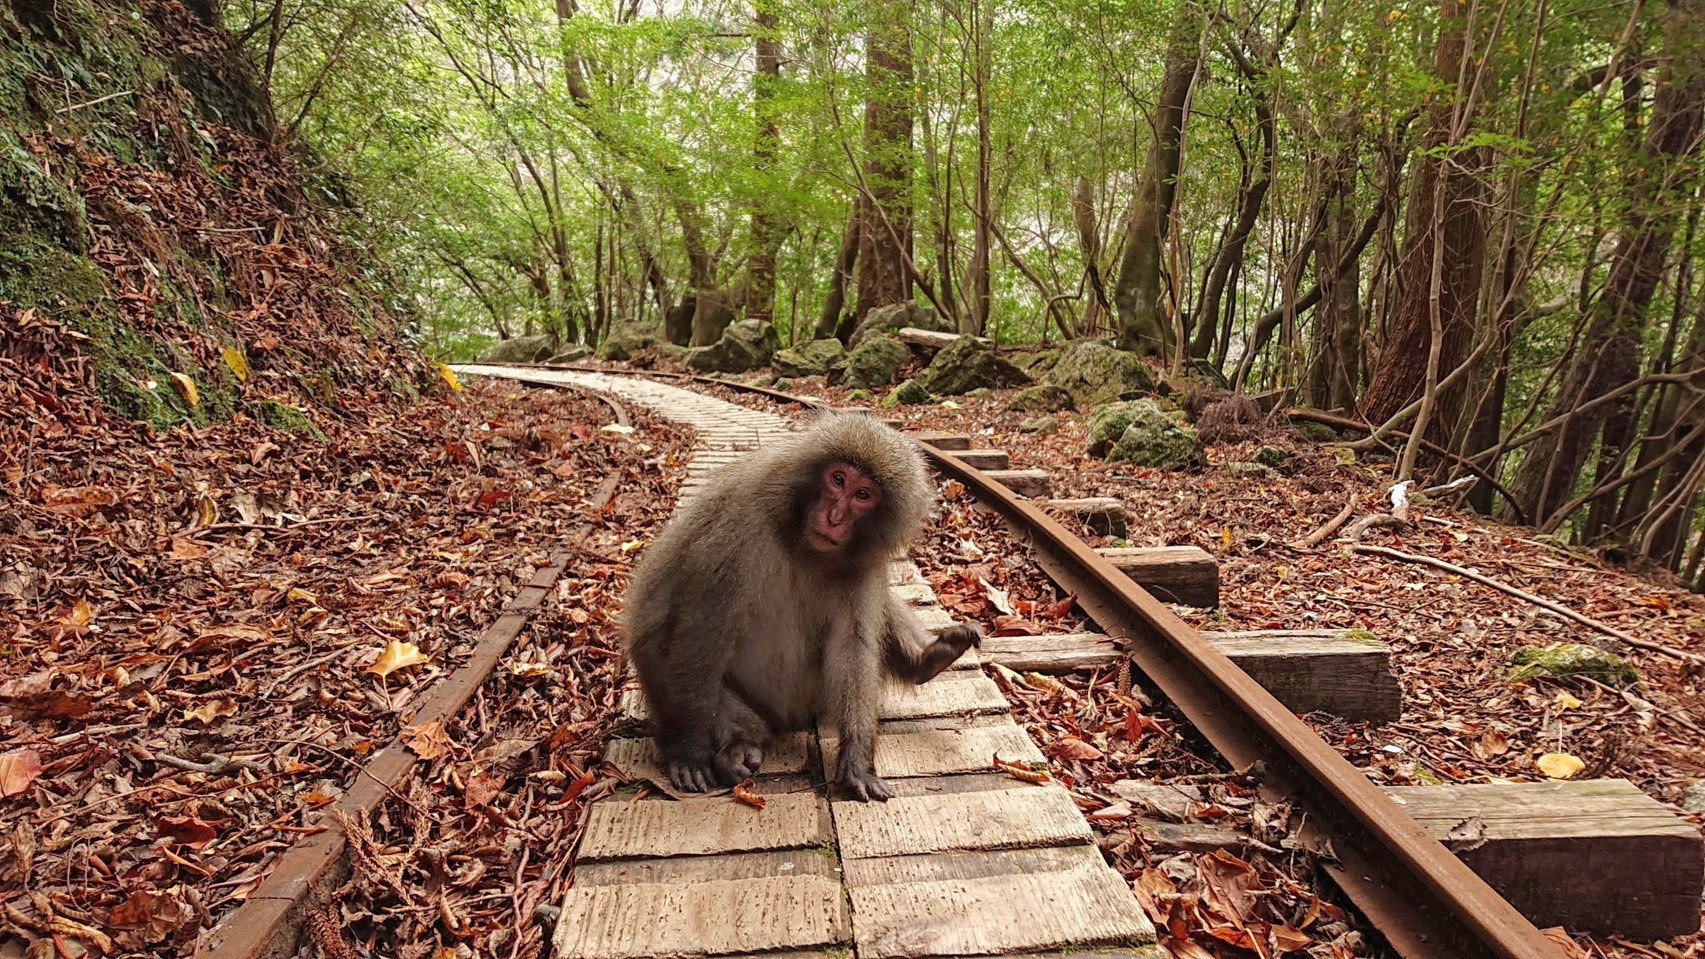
<point x="213" y="709"/>
<point x="19" y="769"/>
<point x="1560" y="765"/>
<point x="397" y="655"/>
<point x="1071" y="747"/>
<point x="743" y="793"/>
<point x="429" y="741"/>
<point x="187" y="830"/>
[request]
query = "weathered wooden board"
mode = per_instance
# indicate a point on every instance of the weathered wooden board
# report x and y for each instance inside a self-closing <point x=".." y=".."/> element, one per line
<point x="914" y="749"/>
<point x="1062" y="653"/>
<point x="914" y="594"/>
<point x="745" y="865"/>
<point x="1331" y="671"/>
<point x="1184" y="575"/>
<point x="710" y="918"/>
<point x="953" y="693"/>
<point x="949" y="442"/>
<point x="1598" y="855"/>
<point x="637" y="758"/>
<point x="1007" y="909"/>
<point x="990" y="819"/>
<point x="1104" y="515"/>
<point x="698" y="827"/>
<point x="904" y="573"/>
<point x="1035" y="484"/>
<point x="984" y="459"/>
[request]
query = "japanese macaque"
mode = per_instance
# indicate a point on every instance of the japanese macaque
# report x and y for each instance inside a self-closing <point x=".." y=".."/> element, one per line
<point x="764" y="605"/>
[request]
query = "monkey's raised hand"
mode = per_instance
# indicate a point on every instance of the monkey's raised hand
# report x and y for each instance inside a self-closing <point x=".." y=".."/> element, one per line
<point x="922" y="667"/>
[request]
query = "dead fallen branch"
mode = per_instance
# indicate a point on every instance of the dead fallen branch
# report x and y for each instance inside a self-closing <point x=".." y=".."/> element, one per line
<point x="1331" y="526"/>
<point x="1509" y="590"/>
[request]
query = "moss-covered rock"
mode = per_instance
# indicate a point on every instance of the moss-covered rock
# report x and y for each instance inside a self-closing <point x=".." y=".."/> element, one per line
<point x="908" y="393"/>
<point x="1095" y="373"/>
<point x="873" y="363"/>
<point x="1568" y="660"/>
<point x="1045" y="425"/>
<point x="1142" y="432"/>
<point x="572" y="354"/>
<point x="895" y="316"/>
<point x="623" y="342"/>
<point x="1040" y="399"/>
<point x="813" y="358"/>
<point x="744" y="346"/>
<point x="1250" y="470"/>
<point x="1272" y="456"/>
<point x="859" y="396"/>
<point x="1036" y="363"/>
<point x="970" y="364"/>
<point x="520" y="349"/>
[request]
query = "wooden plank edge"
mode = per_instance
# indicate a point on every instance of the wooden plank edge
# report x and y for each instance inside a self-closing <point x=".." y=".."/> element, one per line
<point x="269" y="924"/>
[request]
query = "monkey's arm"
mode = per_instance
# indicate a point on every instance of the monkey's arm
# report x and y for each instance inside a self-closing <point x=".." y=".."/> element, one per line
<point x="911" y="654"/>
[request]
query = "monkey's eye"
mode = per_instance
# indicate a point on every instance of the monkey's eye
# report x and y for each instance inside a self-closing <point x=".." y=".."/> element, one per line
<point x="840" y="479"/>
<point x="863" y="494"/>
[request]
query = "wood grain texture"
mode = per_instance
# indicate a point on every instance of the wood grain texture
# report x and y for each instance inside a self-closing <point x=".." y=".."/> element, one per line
<point x="709" y="918"/>
<point x="1005" y="909"/>
<point x="697" y="827"/>
<point x="637" y="758"/>
<point x="1598" y="856"/>
<point x="915" y="750"/>
<point x="990" y="819"/>
<point x="953" y="693"/>
<point x="1184" y="575"/>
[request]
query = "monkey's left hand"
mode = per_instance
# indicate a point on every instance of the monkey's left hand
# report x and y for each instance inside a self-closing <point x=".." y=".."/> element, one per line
<point x="961" y="636"/>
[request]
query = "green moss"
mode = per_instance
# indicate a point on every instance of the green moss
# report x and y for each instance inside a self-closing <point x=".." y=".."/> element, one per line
<point x="1568" y="660"/>
<point x="1359" y="635"/>
<point x="288" y="419"/>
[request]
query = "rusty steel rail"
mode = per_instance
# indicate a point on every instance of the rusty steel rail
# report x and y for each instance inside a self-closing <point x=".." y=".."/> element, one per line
<point x="270" y="924"/>
<point x="1415" y="892"/>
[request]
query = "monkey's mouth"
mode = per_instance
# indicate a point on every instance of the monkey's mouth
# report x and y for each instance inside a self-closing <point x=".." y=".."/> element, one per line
<point x="822" y="542"/>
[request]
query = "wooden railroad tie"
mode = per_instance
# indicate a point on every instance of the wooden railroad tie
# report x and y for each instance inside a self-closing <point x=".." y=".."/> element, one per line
<point x="983" y="459"/>
<point x="946" y="442"/>
<point x="1345" y="673"/>
<point x="1185" y="575"/>
<point x="1104" y="515"/>
<point x="1596" y="856"/>
<point x="1033" y="484"/>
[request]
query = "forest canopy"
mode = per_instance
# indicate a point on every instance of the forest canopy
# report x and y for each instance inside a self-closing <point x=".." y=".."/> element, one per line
<point x="1475" y="222"/>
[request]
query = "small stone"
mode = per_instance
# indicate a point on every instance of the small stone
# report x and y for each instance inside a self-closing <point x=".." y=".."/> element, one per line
<point x="858" y="396"/>
<point x="1251" y="470"/>
<point x="1567" y="660"/>
<point x="572" y="354"/>
<point x="981" y="392"/>
<point x="908" y="393"/>
<point x="782" y="383"/>
<point x="1271" y="456"/>
<point x="1045" y="425"/>
<point x="1693" y="797"/>
<point x="1040" y="399"/>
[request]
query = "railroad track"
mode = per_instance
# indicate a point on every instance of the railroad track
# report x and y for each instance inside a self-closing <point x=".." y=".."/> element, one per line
<point x="965" y="862"/>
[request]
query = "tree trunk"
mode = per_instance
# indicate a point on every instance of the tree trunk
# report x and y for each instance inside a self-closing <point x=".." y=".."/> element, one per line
<point x="1609" y="356"/>
<point x="980" y="25"/>
<point x="1335" y="370"/>
<point x="1399" y="376"/>
<point x="766" y="237"/>
<point x="1089" y="243"/>
<point x="829" y="321"/>
<point x="1143" y="324"/>
<point x="885" y="233"/>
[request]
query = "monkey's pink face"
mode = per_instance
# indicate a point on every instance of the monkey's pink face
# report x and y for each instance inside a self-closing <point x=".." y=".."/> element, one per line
<point x="846" y="497"/>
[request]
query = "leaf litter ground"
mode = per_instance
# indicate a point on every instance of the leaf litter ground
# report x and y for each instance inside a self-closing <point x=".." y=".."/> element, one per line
<point x="1463" y="720"/>
<point x="206" y="633"/>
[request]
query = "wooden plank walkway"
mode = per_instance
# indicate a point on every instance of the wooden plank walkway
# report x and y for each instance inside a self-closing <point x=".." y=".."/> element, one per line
<point x="962" y="862"/>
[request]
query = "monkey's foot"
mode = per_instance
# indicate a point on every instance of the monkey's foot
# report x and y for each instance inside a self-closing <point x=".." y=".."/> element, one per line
<point x="738" y="762"/>
<point x="865" y="786"/>
<point x="690" y="775"/>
